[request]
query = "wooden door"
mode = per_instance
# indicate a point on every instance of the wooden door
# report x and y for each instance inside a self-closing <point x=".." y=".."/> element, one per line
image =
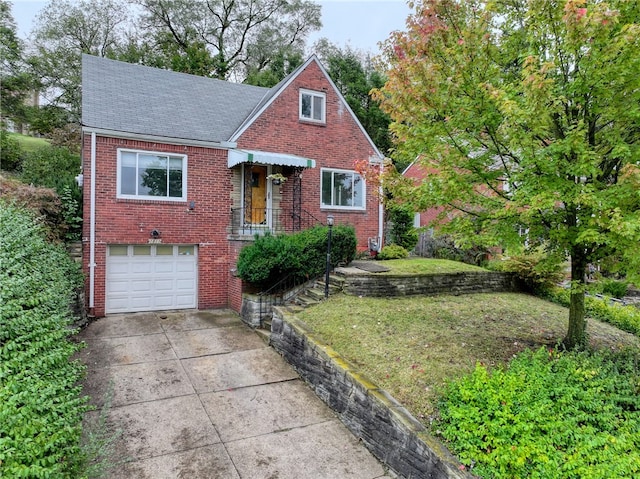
<point x="257" y="214"/>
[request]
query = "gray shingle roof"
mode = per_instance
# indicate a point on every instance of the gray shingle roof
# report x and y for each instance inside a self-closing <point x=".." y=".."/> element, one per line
<point x="132" y="98"/>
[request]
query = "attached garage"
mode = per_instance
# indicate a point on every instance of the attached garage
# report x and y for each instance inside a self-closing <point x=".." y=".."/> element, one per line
<point x="151" y="277"/>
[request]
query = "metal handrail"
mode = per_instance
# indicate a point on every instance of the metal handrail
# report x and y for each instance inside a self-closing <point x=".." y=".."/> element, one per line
<point x="252" y="221"/>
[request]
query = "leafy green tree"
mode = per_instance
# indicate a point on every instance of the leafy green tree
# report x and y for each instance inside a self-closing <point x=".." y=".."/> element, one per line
<point x="355" y="76"/>
<point x="64" y="30"/>
<point x="15" y="81"/>
<point x="526" y="114"/>
<point x="227" y="38"/>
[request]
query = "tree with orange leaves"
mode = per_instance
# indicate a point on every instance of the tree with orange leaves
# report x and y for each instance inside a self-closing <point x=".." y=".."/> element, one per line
<point x="527" y="113"/>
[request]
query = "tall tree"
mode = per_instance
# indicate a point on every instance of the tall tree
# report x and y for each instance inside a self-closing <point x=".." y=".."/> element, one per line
<point x="227" y="38"/>
<point x="64" y="30"/>
<point x="541" y="96"/>
<point x="355" y="76"/>
<point x="15" y="81"/>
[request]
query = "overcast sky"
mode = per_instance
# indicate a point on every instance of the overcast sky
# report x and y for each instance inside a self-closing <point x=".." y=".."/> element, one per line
<point x="362" y="24"/>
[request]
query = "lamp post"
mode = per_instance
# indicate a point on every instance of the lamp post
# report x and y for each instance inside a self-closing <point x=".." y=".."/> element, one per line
<point x="326" y="272"/>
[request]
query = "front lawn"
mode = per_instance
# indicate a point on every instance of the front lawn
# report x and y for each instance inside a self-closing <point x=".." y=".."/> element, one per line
<point x="414" y="346"/>
<point x="427" y="266"/>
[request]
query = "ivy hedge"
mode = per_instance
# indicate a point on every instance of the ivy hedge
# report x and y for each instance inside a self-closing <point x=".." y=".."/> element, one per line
<point x="548" y="415"/>
<point x="41" y="405"/>
<point x="302" y="255"/>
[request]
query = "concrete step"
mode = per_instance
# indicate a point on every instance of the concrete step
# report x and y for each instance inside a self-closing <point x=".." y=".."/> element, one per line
<point x="305" y="301"/>
<point x="264" y="335"/>
<point x="316" y="293"/>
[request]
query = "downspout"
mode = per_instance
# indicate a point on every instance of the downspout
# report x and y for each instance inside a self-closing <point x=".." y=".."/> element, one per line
<point x="92" y="226"/>
<point x="380" y="211"/>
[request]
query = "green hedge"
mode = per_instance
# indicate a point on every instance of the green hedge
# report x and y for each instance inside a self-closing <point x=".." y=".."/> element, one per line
<point x="41" y="405"/>
<point x="549" y="415"/>
<point x="303" y="255"/>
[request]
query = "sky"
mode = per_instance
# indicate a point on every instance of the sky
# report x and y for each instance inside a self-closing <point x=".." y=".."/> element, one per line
<point x="360" y="24"/>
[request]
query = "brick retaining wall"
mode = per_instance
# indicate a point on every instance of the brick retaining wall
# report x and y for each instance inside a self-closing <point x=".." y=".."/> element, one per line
<point x="385" y="427"/>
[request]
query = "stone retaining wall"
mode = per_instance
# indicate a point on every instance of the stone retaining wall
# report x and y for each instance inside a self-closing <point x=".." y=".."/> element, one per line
<point x="382" y="285"/>
<point x="385" y="427"/>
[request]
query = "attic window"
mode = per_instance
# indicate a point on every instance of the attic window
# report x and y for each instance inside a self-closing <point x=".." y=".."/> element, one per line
<point x="312" y="106"/>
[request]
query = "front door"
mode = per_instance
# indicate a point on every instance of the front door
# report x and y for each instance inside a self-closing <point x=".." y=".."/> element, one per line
<point x="256" y="195"/>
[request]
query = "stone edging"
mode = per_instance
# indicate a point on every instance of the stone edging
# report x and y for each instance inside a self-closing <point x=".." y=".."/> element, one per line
<point x="388" y="430"/>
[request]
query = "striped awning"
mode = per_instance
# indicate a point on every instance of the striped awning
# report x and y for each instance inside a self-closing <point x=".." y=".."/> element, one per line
<point x="268" y="158"/>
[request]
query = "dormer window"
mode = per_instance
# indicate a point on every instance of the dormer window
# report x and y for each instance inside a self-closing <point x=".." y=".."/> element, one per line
<point x="312" y="106"/>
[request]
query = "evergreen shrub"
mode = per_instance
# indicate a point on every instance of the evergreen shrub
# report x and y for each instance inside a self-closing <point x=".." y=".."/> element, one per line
<point x="303" y="255"/>
<point x="392" y="251"/>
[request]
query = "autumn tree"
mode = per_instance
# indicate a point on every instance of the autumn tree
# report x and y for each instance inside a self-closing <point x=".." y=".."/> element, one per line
<point x="527" y="115"/>
<point x="227" y="39"/>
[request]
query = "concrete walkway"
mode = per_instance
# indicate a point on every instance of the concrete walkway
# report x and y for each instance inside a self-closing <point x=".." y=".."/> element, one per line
<point x="197" y="394"/>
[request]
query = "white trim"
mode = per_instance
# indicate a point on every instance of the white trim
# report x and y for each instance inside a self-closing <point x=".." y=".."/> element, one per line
<point x="159" y="139"/>
<point x="184" y="158"/>
<point x="92" y="225"/>
<point x="313" y="94"/>
<point x="338" y="207"/>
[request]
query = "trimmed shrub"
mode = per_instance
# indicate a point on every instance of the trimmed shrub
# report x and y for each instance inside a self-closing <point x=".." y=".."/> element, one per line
<point x="303" y="255"/>
<point x="41" y="406"/>
<point x="392" y="251"/>
<point x="549" y="415"/>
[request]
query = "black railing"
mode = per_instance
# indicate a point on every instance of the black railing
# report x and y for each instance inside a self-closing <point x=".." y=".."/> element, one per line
<point x="250" y="221"/>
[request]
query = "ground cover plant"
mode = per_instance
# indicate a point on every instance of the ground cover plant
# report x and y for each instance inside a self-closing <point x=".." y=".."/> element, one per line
<point x="41" y="405"/>
<point x="548" y="415"/>
<point x="414" y="347"/>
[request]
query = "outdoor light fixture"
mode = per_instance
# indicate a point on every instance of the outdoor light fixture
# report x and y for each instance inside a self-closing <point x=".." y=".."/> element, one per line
<point x="326" y="273"/>
<point x="155" y="234"/>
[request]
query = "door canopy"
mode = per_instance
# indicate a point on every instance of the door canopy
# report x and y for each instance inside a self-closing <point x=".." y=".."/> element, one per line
<point x="237" y="157"/>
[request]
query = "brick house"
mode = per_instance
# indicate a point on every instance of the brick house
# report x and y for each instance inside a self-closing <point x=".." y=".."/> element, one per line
<point x="421" y="219"/>
<point x="180" y="172"/>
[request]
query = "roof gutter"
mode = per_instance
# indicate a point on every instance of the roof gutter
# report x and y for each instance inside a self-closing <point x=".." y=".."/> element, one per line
<point x="159" y="139"/>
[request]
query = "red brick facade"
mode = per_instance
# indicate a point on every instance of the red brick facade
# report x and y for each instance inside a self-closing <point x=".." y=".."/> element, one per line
<point x="336" y="144"/>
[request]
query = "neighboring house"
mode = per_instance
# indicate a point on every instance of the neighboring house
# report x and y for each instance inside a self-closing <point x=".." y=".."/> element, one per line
<point x="421" y="219"/>
<point x="180" y="172"/>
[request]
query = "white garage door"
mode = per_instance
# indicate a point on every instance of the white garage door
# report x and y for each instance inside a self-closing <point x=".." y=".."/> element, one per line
<point x="151" y="277"/>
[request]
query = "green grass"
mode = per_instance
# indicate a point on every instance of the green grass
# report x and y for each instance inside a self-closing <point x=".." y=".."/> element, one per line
<point x="414" y="266"/>
<point x="29" y="143"/>
<point x="412" y="346"/>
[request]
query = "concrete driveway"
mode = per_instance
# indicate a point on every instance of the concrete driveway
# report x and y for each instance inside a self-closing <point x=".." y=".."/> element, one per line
<point x="198" y="394"/>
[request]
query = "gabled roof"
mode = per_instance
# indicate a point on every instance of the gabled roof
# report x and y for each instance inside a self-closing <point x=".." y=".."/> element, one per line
<point x="132" y="98"/>
<point x="280" y="87"/>
<point x="129" y="98"/>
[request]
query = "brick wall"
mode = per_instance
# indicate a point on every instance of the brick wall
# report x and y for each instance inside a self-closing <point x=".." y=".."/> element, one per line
<point x="336" y="144"/>
<point x="124" y="221"/>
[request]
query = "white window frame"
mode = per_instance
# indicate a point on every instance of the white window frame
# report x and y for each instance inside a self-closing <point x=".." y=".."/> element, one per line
<point x="339" y="207"/>
<point x="323" y="116"/>
<point x="183" y="198"/>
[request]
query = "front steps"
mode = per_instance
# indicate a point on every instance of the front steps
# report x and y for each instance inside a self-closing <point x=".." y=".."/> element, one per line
<point x="306" y="298"/>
